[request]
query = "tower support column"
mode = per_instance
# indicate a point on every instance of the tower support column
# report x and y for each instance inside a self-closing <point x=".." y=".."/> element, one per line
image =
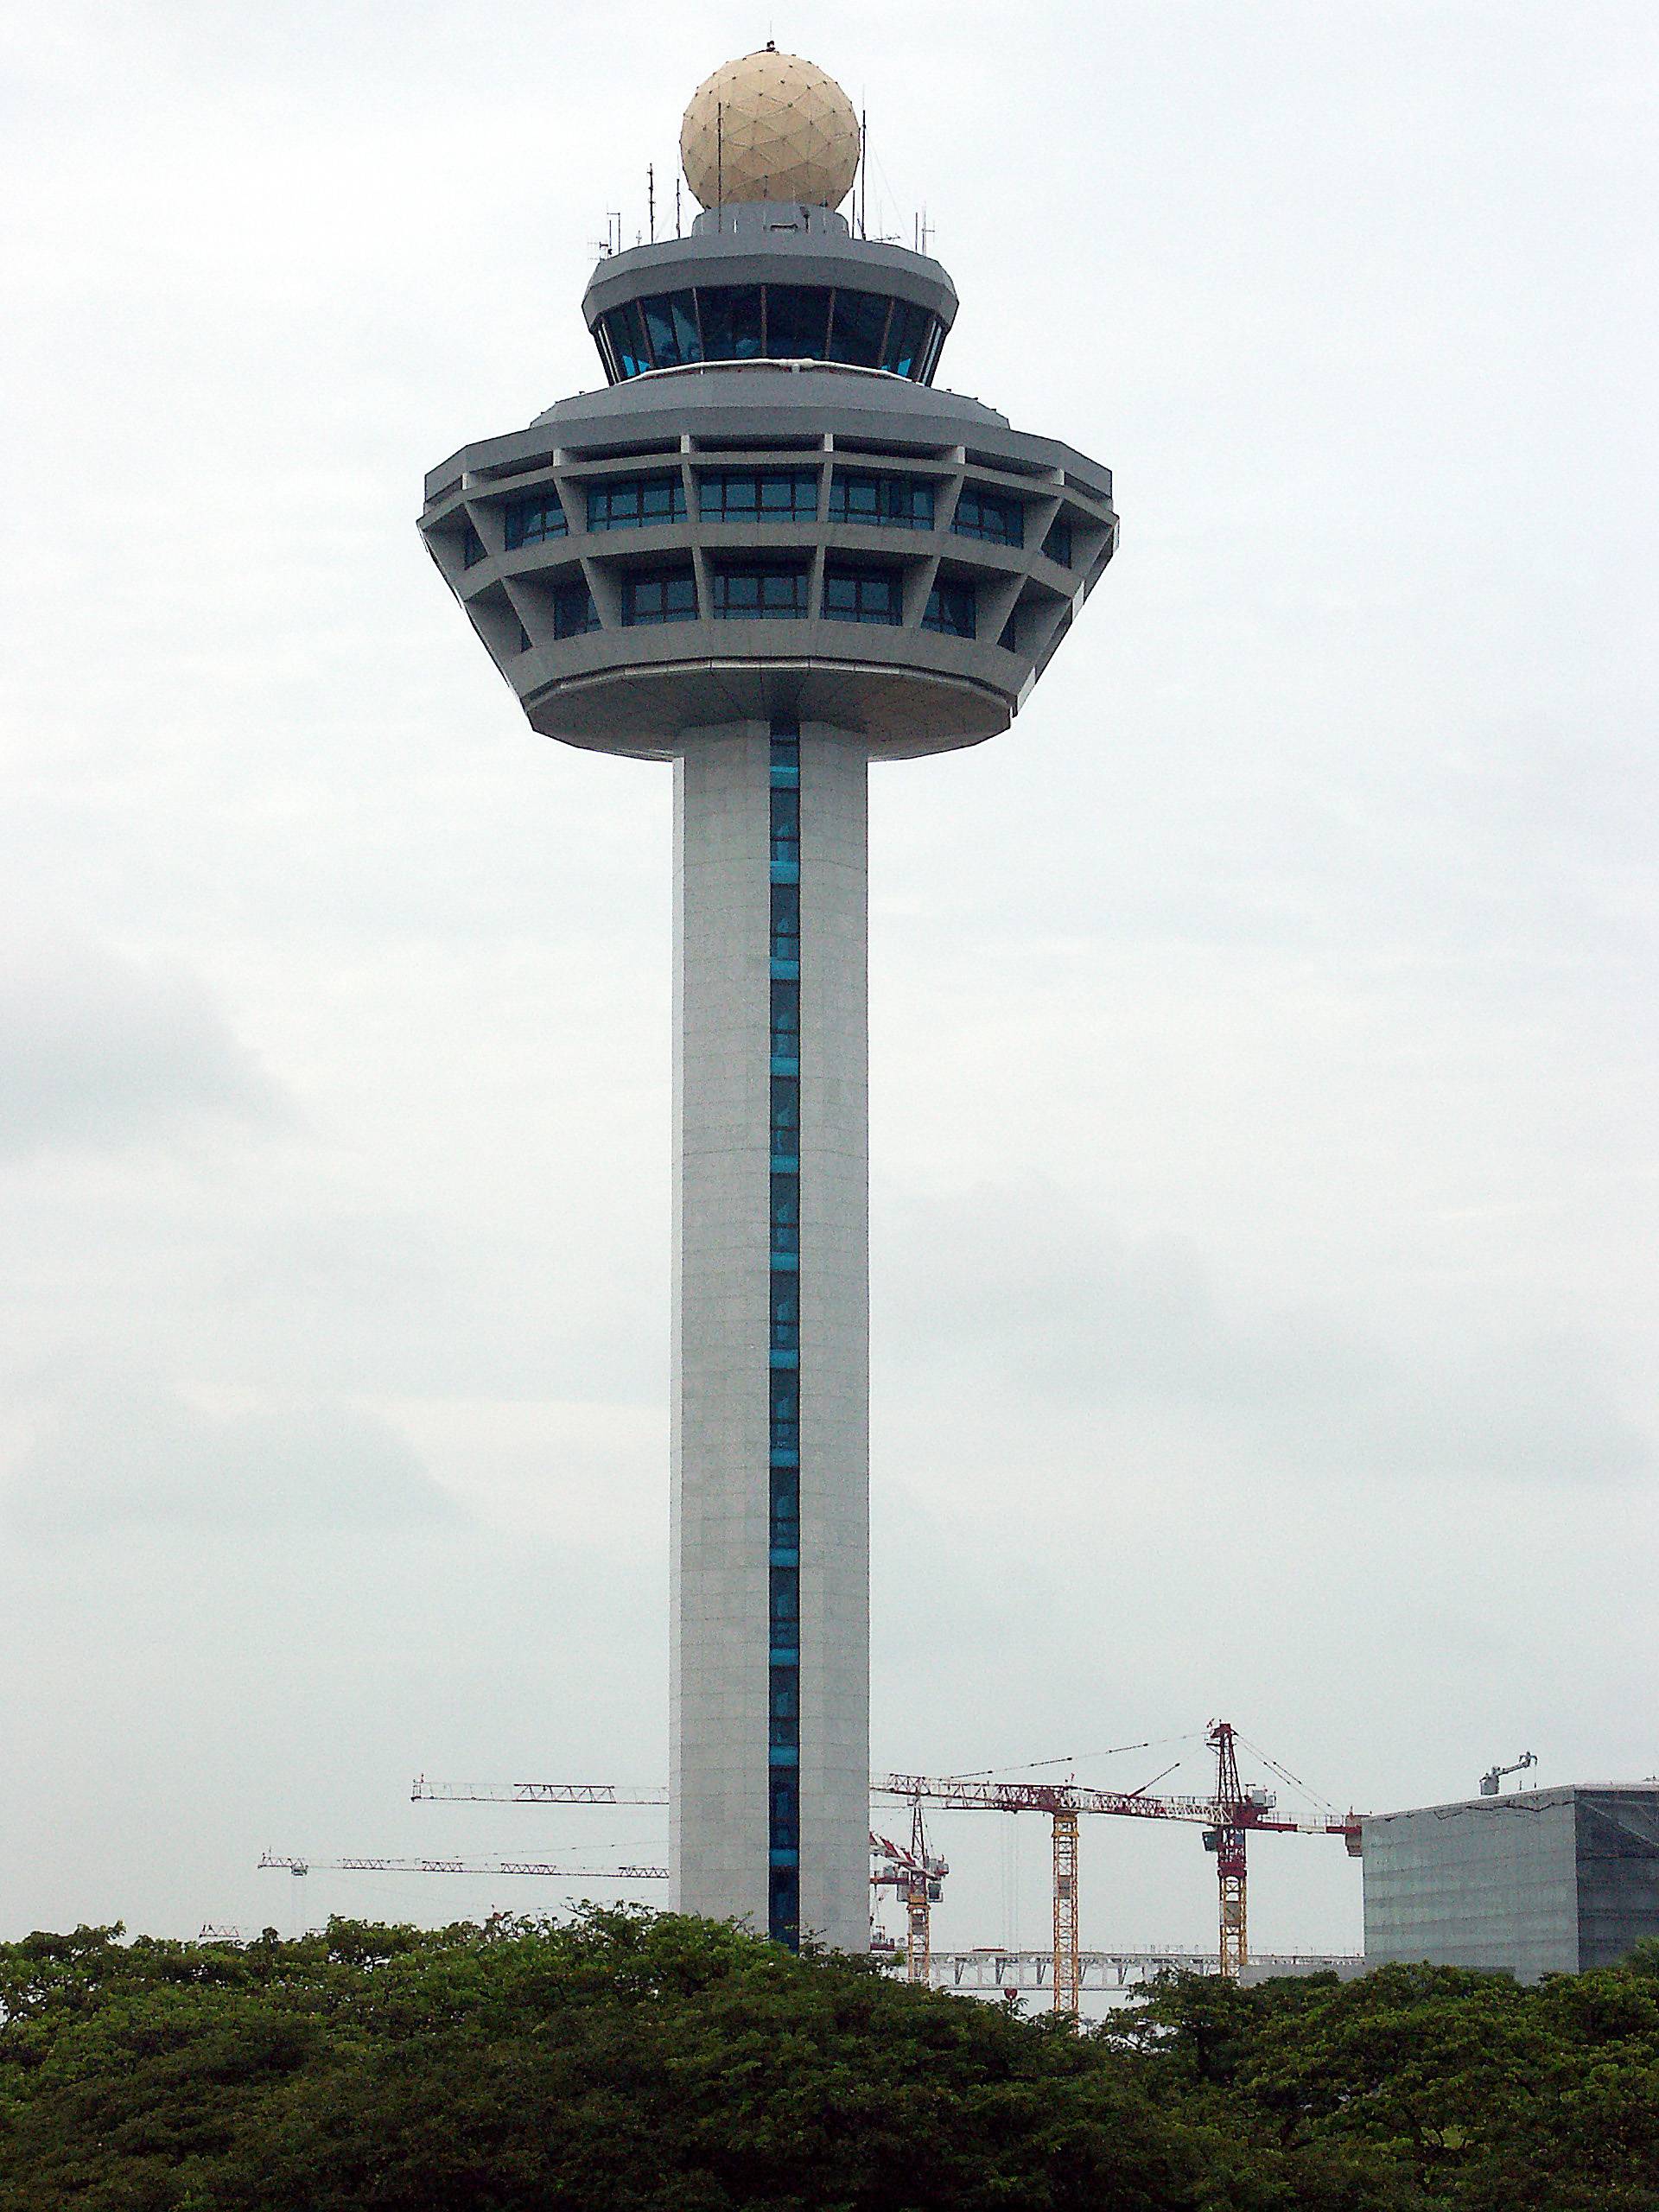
<point x="770" y="1659"/>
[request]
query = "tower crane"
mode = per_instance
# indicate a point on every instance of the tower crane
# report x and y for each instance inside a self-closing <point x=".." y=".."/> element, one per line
<point x="917" y="1876"/>
<point x="300" y="1866"/>
<point x="914" y="1873"/>
<point x="1226" y="1817"/>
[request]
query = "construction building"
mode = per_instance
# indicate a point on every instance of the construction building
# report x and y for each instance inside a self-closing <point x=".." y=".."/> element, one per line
<point x="770" y="552"/>
<point x="1542" y="1881"/>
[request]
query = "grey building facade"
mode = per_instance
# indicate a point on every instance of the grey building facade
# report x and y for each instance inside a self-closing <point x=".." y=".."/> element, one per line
<point x="1545" y="1881"/>
<point x="771" y="553"/>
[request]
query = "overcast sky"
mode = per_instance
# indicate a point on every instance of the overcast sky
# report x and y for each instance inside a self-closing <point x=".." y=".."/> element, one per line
<point x="1263" y="1046"/>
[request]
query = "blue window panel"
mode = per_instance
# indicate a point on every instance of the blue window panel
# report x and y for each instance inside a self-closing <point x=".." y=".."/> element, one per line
<point x="786" y="1018"/>
<point x="798" y="322"/>
<point x="731" y="322"/>
<point x="785" y="1654"/>
<point x="785" y="970"/>
<point x="531" y="522"/>
<point x="862" y="596"/>
<point x="756" y="593"/>
<point x="951" y="610"/>
<point x="784" y="1355"/>
<point x="786" y="1858"/>
<point x="858" y="328"/>
<point x="1057" y="544"/>
<point x="626" y="334"/>
<point x="784" y="1754"/>
<point x="881" y="502"/>
<point x="785" y="1556"/>
<point x="785" y="1311"/>
<point x="636" y="502"/>
<point x="906" y="337"/>
<point x="472" y="547"/>
<point x="574" y="612"/>
<point x="671" y="327"/>
<point x="785" y="871"/>
<point x="991" y="516"/>
<point x="652" y="596"/>
<point x="786" y="1263"/>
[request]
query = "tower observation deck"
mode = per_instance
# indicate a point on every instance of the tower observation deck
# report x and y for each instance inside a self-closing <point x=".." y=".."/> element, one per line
<point x="771" y="552"/>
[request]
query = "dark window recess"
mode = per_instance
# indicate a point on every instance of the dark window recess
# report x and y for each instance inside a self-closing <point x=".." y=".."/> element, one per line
<point x="636" y="502"/>
<point x="1057" y="544"/>
<point x="862" y="596"/>
<point x="627" y="332"/>
<point x="1009" y="640"/>
<point x="785" y="921"/>
<point x="574" y="612"/>
<point x="786" y="1509"/>
<point x="731" y="323"/>
<point x="786" y="1700"/>
<point x="472" y="547"/>
<point x="785" y="823"/>
<point x="759" y="594"/>
<point x="785" y="1116"/>
<point x="784" y="1907"/>
<point x="779" y="495"/>
<point x="786" y="1018"/>
<point x="988" y="515"/>
<point x="785" y="1809"/>
<point x="857" y="327"/>
<point x="658" y="595"/>
<point x="671" y="329"/>
<point x="530" y="521"/>
<point x="524" y="638"/>
<point x="950" y="609"/>
<point x="785" y="1310"/>
<point x="798" y="322"/>
<point x="785" y="1403"/>
<point x="785" y="1217"/>
<point x="897" y="502"/>
<point x="907" y="335"/>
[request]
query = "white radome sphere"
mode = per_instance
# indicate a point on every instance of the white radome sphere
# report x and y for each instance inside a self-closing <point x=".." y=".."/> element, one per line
<point x="770" y="127"/>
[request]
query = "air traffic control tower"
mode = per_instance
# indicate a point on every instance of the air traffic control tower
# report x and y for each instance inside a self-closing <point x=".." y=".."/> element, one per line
<point x="771" y="552"/>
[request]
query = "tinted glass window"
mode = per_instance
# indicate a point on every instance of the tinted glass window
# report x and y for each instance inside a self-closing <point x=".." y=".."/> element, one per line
<point x="659" y="596"/>
<point x="798" y="321"/>
<point x="861" y="595"/>
<point x="950" y="608"/>
<point x="1057" y="544"/>
<point x="530" y="521"/>
<point x="672" y="326"/>
<point x="906" y="335"/>
<point x="991" y="515"/>
<point x="906" y="502"/>
<point x="785" y="921"/>
<point x="786" y="825"/>
<point x="472" y="545"/>
<point x="632" y="502"/>
<point x="574" y="611"/>
<point x="771" y="496"/>
<point x="760" y="592"/>
<point x="731" y="323"/>
<point x="626" y="334"/>
<point x="857" y="327"/>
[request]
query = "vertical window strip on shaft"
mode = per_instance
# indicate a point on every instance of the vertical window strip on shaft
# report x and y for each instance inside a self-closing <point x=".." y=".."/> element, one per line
<point x="783" y="1355"/>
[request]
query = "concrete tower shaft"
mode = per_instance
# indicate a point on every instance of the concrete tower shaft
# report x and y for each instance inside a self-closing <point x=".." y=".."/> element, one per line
<point x="770" y="552"/>
<point x="770" y="1687"/>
